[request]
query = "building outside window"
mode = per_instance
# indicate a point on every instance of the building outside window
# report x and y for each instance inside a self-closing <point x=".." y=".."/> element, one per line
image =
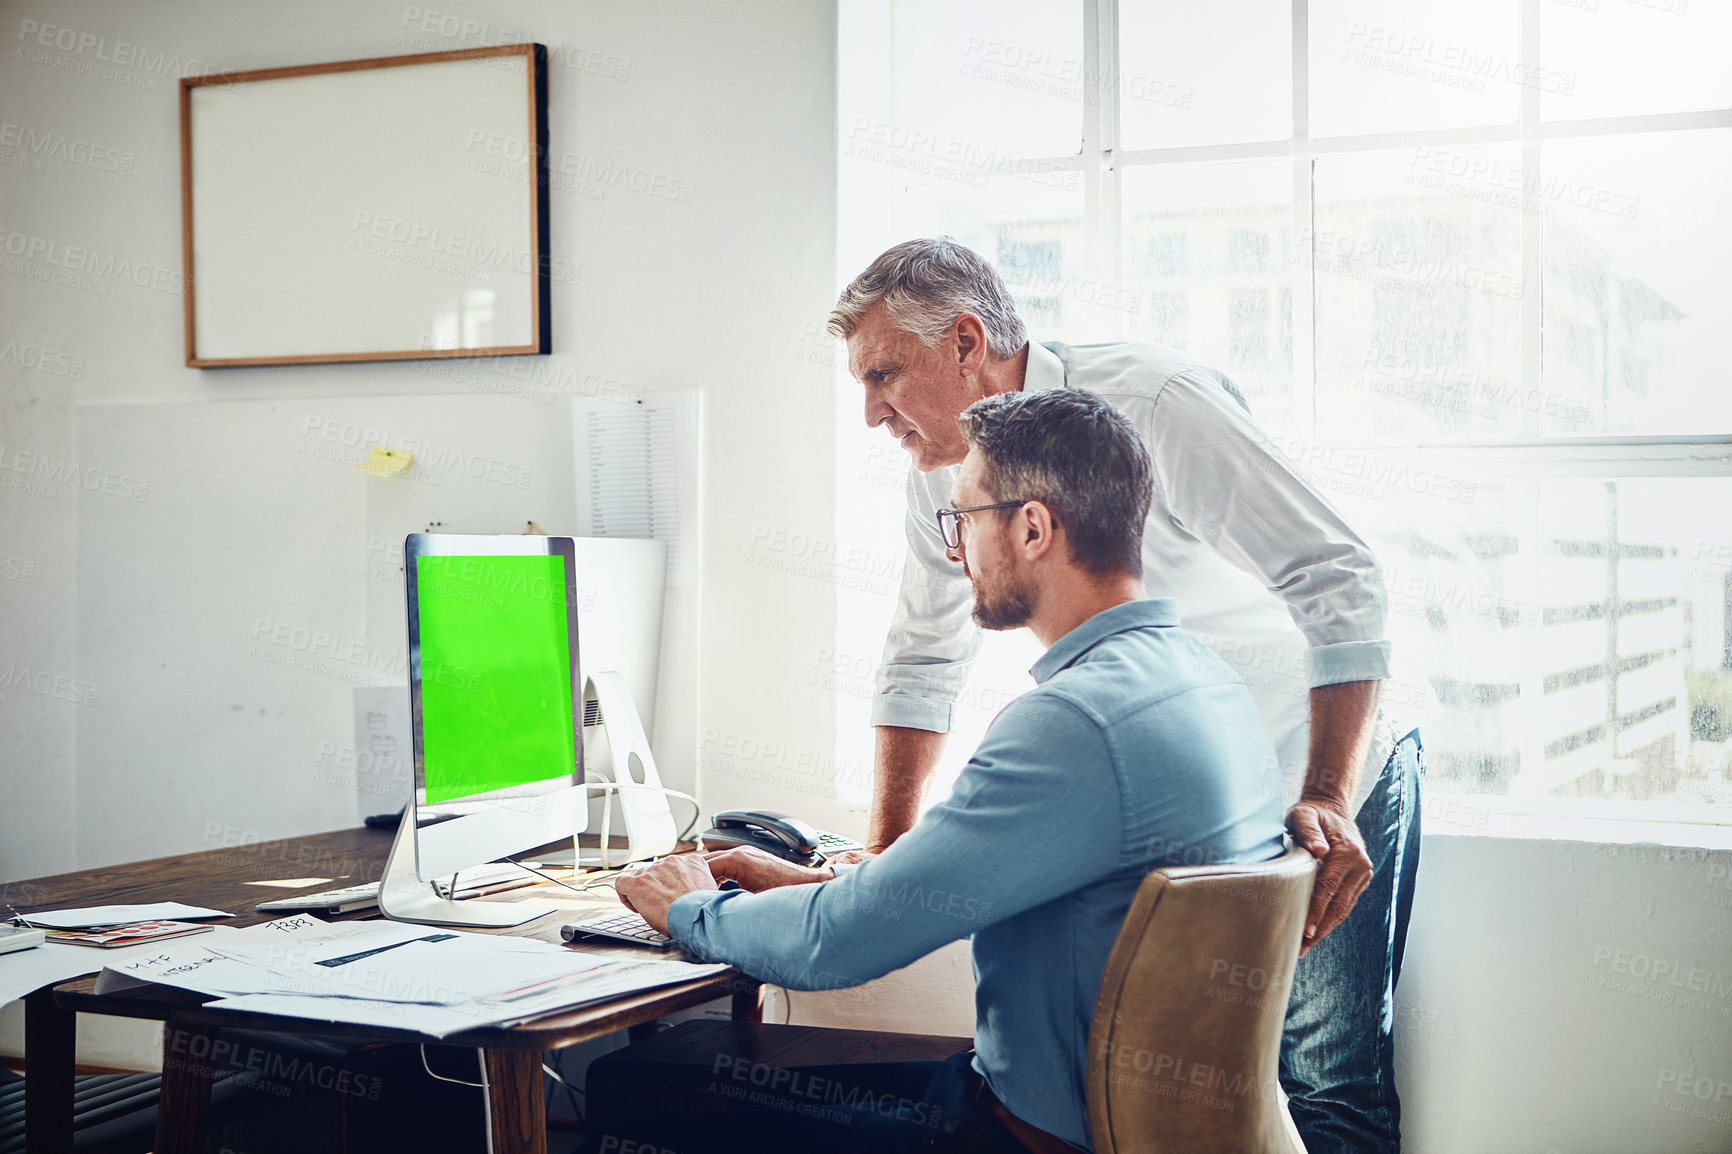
<point x="1469" y="263"/>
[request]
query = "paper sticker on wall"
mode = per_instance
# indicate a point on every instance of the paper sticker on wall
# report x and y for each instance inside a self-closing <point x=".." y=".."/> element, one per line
<point x="637" y="471"/>
<point x="382" y="462"/>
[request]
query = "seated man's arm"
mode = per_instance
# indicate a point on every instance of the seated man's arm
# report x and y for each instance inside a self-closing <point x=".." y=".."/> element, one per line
<point x="756" y="869"/>
<point x="1034" y="816"/>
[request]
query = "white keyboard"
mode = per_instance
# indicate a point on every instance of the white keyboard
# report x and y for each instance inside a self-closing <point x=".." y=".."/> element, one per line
<point x="366" y="895"/>
<point x="624" y="926"/>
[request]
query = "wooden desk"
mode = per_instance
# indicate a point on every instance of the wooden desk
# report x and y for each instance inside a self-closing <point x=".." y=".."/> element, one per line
<point x="226" y="878"/>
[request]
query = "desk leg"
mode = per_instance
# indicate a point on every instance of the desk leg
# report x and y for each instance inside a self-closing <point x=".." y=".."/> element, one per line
<point x="49" y="1057"/>
<point x="748" y="1003"/>
<point x="516" y="1105"/>
<point x="186" y="1081"/>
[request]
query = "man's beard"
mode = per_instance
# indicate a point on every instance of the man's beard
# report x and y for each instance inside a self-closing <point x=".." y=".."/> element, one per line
<point x="1000" y="609"/>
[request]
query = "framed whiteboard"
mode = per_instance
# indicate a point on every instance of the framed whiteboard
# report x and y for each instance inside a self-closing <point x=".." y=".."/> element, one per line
<point x="367" y="210"/>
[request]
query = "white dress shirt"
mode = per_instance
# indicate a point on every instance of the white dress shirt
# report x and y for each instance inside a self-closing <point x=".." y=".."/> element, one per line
<point x="1264" y="570"/>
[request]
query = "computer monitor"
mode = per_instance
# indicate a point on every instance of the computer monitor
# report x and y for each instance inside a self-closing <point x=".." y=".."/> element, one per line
<point x="496" y="709"/>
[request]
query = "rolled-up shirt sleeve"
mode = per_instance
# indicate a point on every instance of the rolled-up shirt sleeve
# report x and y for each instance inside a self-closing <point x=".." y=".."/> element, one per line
<point x="1230" y="486"/>
<point x="933" y="639"/>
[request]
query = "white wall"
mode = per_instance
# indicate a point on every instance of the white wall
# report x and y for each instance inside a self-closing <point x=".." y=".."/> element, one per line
<point x="171" y="716"/>
<point x="1568" y="990"/>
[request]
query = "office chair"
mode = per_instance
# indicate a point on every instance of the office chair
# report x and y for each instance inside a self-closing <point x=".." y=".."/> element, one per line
<point x="1187" y="1027"/>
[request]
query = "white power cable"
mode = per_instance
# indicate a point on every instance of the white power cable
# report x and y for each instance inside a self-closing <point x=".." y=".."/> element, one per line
<point x="605" y="850"/>
<point x="481" y="1085"/>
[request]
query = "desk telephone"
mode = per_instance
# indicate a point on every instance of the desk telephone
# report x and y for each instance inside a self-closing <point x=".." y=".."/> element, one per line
<point x="778" y="833"/>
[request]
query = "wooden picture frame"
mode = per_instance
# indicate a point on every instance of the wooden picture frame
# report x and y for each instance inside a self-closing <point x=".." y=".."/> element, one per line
<point x="367" y="210"/>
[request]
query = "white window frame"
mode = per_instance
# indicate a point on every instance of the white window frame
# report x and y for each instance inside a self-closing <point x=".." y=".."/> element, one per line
<point x="1530" y="456"/>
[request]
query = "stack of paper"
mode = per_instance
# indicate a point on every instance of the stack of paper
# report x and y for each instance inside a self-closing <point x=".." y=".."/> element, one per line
<point x="436" y="982"/>
<point x="129" y="934"/>
<point x="27" y="970"/>
<point x="87" y="916"/>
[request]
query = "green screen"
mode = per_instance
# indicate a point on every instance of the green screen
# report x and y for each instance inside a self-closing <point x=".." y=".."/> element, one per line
<point x="495" y="673"/>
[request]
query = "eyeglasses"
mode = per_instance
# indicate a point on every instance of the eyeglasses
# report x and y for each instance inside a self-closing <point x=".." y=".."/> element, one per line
<point x="950" y="520"/>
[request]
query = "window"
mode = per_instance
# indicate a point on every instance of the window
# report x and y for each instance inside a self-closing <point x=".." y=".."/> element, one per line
<point x="1161" y="254"/>
<point x="1247" y="250"/>
<point x="1471" y="269"/>
<point x="1248" y="316"/>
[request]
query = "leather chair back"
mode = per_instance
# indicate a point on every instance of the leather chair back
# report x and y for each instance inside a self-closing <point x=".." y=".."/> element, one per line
<point x="1187" y="1029"/>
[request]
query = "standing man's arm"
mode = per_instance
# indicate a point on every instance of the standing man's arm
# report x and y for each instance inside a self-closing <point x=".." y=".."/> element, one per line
<point x="1231" y="487"/>
<point x="903" y="763"/>
<point x="927" y="656"/>
<point x="1322" y="821"/>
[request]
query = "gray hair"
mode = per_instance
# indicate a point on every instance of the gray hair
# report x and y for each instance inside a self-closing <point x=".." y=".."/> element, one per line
<point x="1078" y="456"/>
<point x="924" y="285"/>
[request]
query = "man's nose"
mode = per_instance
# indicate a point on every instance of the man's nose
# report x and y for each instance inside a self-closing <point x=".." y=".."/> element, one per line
<point x="954" y="553"/>
<point x="877" y="412"/>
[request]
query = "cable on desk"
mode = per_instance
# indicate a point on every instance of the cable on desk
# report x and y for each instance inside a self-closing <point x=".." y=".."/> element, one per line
<point x="611" y="877"/>
<point x="548" y="876"/>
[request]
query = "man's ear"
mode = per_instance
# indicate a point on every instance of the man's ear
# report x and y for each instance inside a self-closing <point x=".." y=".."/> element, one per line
<point x="970" y="336"/>
<point x="1036" y="530"/>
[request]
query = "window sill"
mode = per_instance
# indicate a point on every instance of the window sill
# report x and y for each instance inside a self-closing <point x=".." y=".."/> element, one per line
<point x="1478" y="822"/>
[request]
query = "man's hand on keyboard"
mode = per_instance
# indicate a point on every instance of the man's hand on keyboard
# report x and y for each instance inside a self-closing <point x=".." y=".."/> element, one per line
<point x="757" y="869"/>
<point x="853" y="857"/>
<point x="652" y="889"/>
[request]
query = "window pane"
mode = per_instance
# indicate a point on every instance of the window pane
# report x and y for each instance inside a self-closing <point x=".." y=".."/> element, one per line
<point x="1638" y="280"/>
<point x="1639" y="56"/>
<point x="980" y="80"/>
<point x="1395" y="65"/>
<point x="1208" y="271"/>
<point x="1419" y="287"/>
<point x="1575" y="631"/>
<point x="1031" y="231"/>
<point x="1216" y="73"/>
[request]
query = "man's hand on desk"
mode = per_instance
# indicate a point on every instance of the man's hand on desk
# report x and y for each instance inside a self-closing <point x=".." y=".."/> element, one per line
<point x="652" y="889"/>
<point x="1334" y="840"/>
<point x="757" y="869"/>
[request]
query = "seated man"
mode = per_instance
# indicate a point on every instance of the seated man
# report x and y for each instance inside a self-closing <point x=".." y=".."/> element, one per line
<point x="1137" y="749"/>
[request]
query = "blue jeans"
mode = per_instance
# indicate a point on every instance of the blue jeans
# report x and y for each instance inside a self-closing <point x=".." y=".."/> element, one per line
<point x="1337" y="1052"/>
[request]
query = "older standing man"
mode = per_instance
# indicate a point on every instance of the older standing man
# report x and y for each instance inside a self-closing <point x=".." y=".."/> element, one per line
<point x="1263" y="570"/>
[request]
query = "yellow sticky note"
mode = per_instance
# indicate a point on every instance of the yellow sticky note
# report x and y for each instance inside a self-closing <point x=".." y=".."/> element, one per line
<point x="385" y="462"/>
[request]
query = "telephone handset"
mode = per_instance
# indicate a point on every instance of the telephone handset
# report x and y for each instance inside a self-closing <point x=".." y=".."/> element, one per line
<point x="778" y="833"/>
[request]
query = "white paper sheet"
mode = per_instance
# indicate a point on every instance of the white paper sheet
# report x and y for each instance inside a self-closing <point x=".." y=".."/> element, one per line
<point x="625" y="978"/>
<point x="86" y="917"/>
<point x="45" y="965"/>
<point x="442" y="1021"/>
<point x="283" y="958"/>
<point x="434" y="1021"/>
<point x="457" y="982"/>
<point x="276" y="957"/>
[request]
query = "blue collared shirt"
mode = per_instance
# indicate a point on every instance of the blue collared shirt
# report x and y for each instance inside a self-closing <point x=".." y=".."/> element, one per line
<point x="1139" y="748"/>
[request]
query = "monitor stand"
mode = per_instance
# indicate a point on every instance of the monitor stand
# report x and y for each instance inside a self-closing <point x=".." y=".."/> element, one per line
<point x="649" y="822"/>
<point x="404" y="897"/>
